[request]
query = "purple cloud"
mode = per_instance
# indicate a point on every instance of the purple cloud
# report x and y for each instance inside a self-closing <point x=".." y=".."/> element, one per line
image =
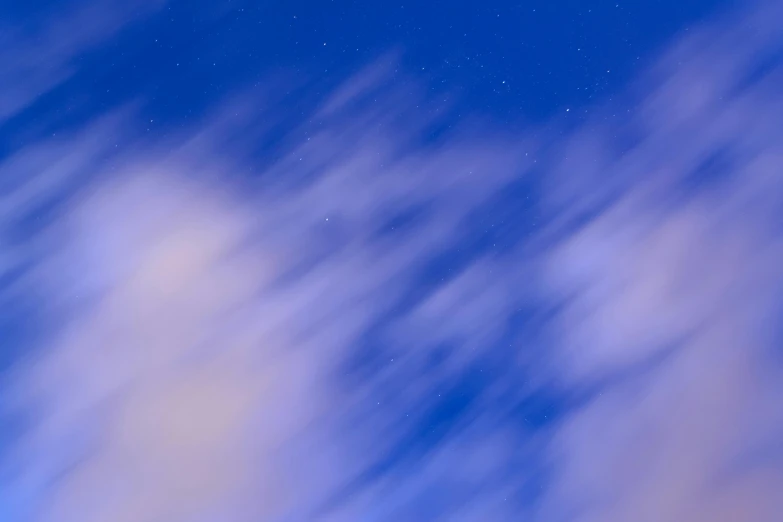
<point x="200" y="324"/>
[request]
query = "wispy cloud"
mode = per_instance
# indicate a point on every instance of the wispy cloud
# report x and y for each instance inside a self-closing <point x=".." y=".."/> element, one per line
<point x="354" y="333"/>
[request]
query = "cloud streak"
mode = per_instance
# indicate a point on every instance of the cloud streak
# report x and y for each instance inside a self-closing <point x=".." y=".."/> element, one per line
<point x="488" y="325"/>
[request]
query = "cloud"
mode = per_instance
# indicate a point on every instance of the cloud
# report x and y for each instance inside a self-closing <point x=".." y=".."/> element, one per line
<point x="679" y="320"/>
<point x="352" y="335"/>
<point x="673" y="296"/>
<point x="165" y="376"/>
<point x="181" y="350"/>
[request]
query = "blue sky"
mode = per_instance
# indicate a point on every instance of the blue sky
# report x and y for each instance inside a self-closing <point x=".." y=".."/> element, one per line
<point x="351" y="262"/>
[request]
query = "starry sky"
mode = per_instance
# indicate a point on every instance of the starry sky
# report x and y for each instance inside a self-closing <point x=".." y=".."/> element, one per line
<point x="347" y="261"/>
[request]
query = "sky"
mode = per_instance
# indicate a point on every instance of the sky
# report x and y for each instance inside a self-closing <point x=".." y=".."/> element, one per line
<point x="346" y="262"/>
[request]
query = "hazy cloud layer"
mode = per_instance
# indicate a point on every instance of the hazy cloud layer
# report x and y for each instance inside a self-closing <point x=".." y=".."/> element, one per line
<point x="348" y="334"/>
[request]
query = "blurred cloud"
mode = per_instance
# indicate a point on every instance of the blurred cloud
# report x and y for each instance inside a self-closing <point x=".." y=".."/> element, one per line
<point x="163" y="377"/>
<point x="679" y="317"/>
<point x="331" y="341"/>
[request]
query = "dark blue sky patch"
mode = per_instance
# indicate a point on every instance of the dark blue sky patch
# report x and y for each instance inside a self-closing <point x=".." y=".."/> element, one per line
<point x="507" y="219"/>
<point x="405" y="221"/>
<point x="714" y="170"/>
<point x="509" y="60"/>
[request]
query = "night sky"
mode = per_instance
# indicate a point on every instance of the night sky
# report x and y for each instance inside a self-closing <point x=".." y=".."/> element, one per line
<point x="350" y="261"/>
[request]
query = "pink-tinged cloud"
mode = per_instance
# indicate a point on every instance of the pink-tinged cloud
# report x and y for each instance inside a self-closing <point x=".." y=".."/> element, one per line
<point x="197" y="323"/>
